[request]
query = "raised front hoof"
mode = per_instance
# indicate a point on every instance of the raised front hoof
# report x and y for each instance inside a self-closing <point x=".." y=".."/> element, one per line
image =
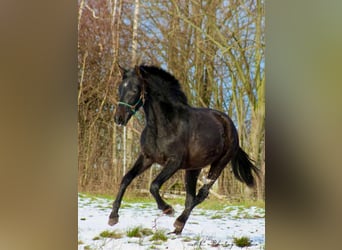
<point x="112" y="221"/>
<point x="178" y="227"/>
<point x="169" y="211"/>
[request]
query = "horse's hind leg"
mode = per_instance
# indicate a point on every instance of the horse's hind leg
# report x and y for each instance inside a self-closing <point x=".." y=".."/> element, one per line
<point x="191" y="177"/>
<point x="214" y="172"/>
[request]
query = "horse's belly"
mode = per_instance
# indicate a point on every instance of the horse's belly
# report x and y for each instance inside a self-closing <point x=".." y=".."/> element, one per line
<point x="201" y="156"/>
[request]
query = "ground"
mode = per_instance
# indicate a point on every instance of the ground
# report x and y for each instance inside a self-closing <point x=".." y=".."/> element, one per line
<point x="205" y="229"/>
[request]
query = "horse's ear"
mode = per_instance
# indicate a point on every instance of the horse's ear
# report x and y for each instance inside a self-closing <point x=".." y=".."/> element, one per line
<point x="121" y="69"/>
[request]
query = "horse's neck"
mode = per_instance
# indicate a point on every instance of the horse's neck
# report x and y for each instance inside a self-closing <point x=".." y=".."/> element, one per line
<point x="157" y="119"/>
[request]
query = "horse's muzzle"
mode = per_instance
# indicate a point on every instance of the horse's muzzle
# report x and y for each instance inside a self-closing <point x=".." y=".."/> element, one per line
<point x="122" y="116"/>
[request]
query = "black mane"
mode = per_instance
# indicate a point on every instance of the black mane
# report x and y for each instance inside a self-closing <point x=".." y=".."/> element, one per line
<point x="166" y="85"/>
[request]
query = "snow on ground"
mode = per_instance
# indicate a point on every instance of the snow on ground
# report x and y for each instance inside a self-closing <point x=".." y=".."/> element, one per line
<point x="205" y="229"/>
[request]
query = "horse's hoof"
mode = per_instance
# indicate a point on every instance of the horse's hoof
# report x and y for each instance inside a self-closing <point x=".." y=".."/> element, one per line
<point x="169" y="211"/>
<point x="178" y="227"/>
<point x="113" y="221"/>
<point x="175" y="232"/>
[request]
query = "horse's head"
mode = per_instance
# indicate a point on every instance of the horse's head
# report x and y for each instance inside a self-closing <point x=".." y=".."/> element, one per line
<point x="131" y="95"/>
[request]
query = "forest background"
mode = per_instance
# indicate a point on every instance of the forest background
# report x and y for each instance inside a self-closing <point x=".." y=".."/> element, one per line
<point x="215" y="48"/>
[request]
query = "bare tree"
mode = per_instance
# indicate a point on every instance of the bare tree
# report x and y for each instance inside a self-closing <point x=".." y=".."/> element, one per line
<point x="215" y="48"/>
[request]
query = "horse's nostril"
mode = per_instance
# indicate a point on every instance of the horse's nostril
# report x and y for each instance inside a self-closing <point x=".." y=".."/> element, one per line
<point x="122" y="120"/>
<point x="118" y="119"/>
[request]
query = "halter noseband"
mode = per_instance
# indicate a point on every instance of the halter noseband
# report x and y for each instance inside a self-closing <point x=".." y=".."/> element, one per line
<point x="133" y="107"/>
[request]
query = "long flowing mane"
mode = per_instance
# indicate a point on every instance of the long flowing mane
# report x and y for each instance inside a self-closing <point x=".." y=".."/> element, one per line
<point x="165" y="84"/>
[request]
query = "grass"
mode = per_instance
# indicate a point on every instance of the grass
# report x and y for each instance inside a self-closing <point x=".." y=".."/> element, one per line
<point x="229" y="209"/>
<point x="210" y="204"/>
<point x="134" y="232"/>
<point x="215" y="204"/>
<point x="95" y="195"/>
<point x="144" y="205"/>
<point x="139" y="232"/>
<point x="197" y="238"/>
<point x="110" y="234"/>
<point x="242" y="241"/>
<point x="146" y="231"/>
<point x="125" y="205"/>
<point x="249" y="216"/>
<point x="187" y="239"/>
<point x="216" y="216"/>
<point x="242" y="213"/>
<point x="159" y="236"/>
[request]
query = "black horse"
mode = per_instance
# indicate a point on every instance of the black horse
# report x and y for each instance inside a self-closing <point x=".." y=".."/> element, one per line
<point x="177" y="136"/>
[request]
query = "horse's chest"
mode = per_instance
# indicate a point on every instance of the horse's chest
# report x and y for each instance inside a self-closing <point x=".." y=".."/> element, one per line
<point x="158" y="150"/>
<point x="155" y="153"/>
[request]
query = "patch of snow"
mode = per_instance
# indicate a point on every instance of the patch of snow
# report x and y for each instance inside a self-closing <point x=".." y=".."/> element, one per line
<point x="205" y="229"/>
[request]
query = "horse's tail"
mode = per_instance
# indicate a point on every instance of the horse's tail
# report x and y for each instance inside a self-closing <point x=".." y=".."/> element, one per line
<point x="243" y="167"/>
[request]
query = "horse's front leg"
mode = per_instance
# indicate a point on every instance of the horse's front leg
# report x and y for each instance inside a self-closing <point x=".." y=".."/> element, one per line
<point x="170" y="168"/>
<point x="139" y="167"/>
